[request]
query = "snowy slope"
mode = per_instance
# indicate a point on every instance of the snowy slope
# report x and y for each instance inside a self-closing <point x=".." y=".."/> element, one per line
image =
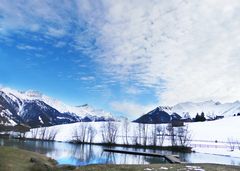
<point x="220" y="130"/>
<point x="210" y="108"/>
<point x="189" y="110"/>
<point x="204" y="133"/>
<point x="82" y="111"/>
<point x="35" y="109"/>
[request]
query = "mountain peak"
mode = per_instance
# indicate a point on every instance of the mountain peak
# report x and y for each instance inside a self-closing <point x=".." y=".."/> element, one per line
<point x="33" y="97"/>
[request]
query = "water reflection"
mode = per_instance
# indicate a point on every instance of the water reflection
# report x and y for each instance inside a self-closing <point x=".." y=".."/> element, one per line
<point x="67" y="153"/>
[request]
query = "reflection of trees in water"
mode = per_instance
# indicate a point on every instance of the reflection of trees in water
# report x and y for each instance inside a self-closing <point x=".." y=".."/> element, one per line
<point x="110" y="158"/>
<point x="44" y="146"/>
<point x="84" y="153"/>
<point x="183" y="156"/>
<point x="89" y="154"/>
<point x="36" y="146"/>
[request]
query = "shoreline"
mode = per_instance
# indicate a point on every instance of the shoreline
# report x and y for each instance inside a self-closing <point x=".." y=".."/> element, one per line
<point x="30" y="161"/>
<point x="183" y="149"/>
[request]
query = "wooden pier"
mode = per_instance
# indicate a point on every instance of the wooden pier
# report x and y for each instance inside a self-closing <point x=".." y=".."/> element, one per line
<point x="169" y="158"/>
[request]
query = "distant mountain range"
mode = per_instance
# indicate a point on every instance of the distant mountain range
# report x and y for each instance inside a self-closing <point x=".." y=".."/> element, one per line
<point x="35" y="109"/>
<point x="189" y="110"/>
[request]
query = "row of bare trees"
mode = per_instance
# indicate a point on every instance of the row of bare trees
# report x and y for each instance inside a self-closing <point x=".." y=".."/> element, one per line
<point x="178" y="136"/>
<point x="109" y="132"/>
<point x="143" y="135"/>
<point x="233" y="144"/>
<point x="84" y="133"/>
<point x="156" y="135"/>
<point x="44" y="134"/>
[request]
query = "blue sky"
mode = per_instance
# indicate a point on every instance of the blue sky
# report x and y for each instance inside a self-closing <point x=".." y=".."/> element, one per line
<point x="125" y="57"/>
<point x="62" y="72"/>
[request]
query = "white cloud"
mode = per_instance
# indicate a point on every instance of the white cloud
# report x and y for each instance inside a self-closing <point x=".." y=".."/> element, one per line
<point x="56" y="32"/>
<point x="27" y="47"/>
<point x="87" y="78"/>
<point x="36" y="16"/>
<point x="183" y="49"/>
<point x="60" y="44"/>
<point x="133" y="90"/>
<point x="130" y="108"/>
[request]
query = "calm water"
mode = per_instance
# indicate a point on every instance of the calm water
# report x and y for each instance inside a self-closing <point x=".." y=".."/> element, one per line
<point x="67" y="153"/>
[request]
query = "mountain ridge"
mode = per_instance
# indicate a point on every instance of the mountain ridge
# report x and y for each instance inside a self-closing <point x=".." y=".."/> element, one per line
<point x="189" y="110"/>
<point x="36" y="109"/>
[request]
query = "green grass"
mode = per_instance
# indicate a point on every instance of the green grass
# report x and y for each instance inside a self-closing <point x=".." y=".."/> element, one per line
<point x="14" y="159"/>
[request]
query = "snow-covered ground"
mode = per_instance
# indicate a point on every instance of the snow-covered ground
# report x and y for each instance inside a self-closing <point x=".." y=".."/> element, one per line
<point x="207" y="137"/>
<point x="213" y="137"/>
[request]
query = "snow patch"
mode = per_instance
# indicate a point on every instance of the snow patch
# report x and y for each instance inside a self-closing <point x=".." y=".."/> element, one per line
<point x="40" y="119"/>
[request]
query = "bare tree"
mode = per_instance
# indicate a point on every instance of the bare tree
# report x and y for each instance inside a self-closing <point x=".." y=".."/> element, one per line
<point x="145" y="134"/>
<point x="231" y="143"/>
<point x="183" y="136"/>
<point x="81" y="132"/>
<point x="135" y="138"/>
<point x="238" y="144"/>
<point x="153" y="138"/>
<point x="125" y="130"/>
<point x="109" y="132"/>
<point x="91" y="132"/>
<point x="42" y="133"/>
<point x="171" y="134"/>
<point x="34" y="133"/>
<point x="51" y="134"/>
<point x="45" y="133"/>
<point x="139" y="129"/>
<point x="22" y="135"/>
<point x="160" y="131"/>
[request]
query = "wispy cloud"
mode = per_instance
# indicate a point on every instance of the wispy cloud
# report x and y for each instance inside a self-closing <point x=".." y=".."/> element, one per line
<point x="60" y="44"/>
<point x="131" y="108"/>
<point x="190" y="46"/>
<point x="182" y="49"/>
<point x="56" y="32"/>
<point x="28" y="47"/>
<point x="36" y="16"/>
<point x="133" y="90"/>
<point x="87" y="78"/>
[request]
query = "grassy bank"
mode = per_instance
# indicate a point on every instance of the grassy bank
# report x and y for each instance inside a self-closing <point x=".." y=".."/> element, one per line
<point x="161" y="167"/>
<point x="14" y="159"/>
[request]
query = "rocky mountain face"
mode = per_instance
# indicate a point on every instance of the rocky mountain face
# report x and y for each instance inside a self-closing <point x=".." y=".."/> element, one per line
<point x="156" y="116"/>
<point x="36" y="111"/>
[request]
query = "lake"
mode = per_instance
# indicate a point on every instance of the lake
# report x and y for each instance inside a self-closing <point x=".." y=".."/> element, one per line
<point x="74" y="154"/>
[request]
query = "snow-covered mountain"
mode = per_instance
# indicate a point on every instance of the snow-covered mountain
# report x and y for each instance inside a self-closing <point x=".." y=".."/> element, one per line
<point x="209" y="108"/>
<point x="82" y="110"/>
<point x="189" y="110"/>
<point x="36" y="109"/>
